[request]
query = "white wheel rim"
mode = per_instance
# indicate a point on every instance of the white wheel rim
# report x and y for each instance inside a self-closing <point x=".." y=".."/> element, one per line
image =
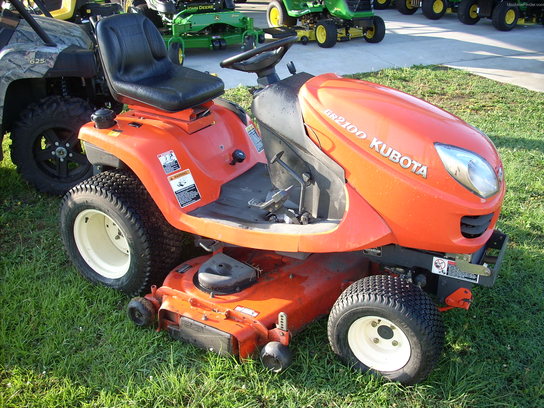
<point x="102" y="243"/>
<point x="379" y="343"/>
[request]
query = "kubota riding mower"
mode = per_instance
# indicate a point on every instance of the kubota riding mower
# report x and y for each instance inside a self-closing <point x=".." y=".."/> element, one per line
<point x="350" y="198"/>
<point x="326" y="21"/>
<point x="212" y="24"/>
<point x="504" y="15"/>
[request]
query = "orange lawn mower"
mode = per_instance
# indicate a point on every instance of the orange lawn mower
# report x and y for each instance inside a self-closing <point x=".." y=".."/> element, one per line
<point x="350" y="199"/>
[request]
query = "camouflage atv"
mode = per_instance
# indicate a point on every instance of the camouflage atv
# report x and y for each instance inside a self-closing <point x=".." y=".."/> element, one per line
<point x="50" y="83"/>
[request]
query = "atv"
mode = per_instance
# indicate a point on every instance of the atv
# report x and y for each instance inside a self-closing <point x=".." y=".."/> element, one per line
<point x="505" y="15"/>
<point x="212" y="24"/>
<point x="349" y="199"/>
<point x="50" y="83"/>
<point x="326" y="21"/>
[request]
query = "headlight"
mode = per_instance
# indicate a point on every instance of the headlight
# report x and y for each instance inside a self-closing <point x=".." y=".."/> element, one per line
<point x="469" y="169"/>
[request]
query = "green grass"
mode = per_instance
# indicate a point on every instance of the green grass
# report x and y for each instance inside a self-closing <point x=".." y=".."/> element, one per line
<point x="67" y="343"/>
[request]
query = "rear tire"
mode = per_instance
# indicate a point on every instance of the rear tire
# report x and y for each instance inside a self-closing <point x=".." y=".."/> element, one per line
<point x="45" y="147"/>
<point x="385" y="325"/>
<point x="381" y="4"/>
<point x="467" y="12"/>
<point x="405" y="7"/>
<point x="326" y="33"/>
<point x="277" y="16"/>
<point x="115" y="235"/>
<point x="504" y="16"/>
<point x="377" y="32"/>
<point x="434" y="9"/>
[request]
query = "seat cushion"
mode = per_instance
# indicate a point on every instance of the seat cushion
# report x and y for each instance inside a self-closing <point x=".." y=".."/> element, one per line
<point x="139" y="71"/>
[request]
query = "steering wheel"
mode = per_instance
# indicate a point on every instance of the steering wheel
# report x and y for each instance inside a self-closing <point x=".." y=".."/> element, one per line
<point x="260" y="59"/>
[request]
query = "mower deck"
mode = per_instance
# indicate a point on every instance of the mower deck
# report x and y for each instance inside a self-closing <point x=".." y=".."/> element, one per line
<point x="229" y="319"/>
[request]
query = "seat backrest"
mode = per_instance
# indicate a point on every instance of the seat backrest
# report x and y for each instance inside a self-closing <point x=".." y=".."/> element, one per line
<point x="131" y="48"/>
<point x="138" y="70"/>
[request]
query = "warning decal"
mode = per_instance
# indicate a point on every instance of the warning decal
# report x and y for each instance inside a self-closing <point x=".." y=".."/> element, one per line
<point x="184" y="188"/>
<point x="169" y="161"/>
<point x="447" y="267"/>
<point x="255" y="138"/>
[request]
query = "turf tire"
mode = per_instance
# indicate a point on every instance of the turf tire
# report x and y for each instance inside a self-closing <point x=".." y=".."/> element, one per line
<point x="378" y="31"/>
<point x="381" y="4"/>
<point x="405" y="7"/>
<point x="283" y="18"/>
<point x="465" y="12"/>
<point x="154" y="246"/>
<point x="43" y="129"/>
<point x="428" y="9"/>
<point x="501" y="13"/>
<point x="404" y="305"/>
<point x="329" y="33"/>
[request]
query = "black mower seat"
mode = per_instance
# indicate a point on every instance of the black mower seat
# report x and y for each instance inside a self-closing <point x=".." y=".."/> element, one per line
<point x="139" y="71"/>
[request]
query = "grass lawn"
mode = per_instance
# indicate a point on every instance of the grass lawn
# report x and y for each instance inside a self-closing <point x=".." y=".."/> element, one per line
<point x="67" y="343"/>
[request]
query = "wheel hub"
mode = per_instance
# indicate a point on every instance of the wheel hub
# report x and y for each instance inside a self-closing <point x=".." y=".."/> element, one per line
<point x="379" y="343"/>
<point x="61" y="152"/>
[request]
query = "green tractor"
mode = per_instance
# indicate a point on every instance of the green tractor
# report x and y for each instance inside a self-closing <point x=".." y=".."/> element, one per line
<point x="211" y="24"/>
<point x="325" y="21"/>
<point x="504" y="14"/>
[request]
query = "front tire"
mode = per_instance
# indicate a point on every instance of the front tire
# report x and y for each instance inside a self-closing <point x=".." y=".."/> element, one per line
<point x="381" y="4"/>
<point x="45" y="147"/>
<point x="277" y="16"/>
<point x="433" y="9"/>
<point x="467" y="12"/>
<point x="376" y="33"/>
<point x="326" y="33"/>
<point x="115" y="235"/>
<point x="388" y="326"/>
<point x="505" y="17"/>
<point x="405" y="7"/>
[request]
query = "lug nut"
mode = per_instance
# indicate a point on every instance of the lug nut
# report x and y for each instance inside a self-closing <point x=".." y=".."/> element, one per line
<point x="374" y="324"/>
<point x="376" y="340"/>
<point x="395" y="343"/>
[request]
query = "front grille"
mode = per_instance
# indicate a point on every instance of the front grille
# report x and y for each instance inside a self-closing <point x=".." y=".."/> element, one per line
<point x="473" y="226"/>
<point x="359" y="5"/>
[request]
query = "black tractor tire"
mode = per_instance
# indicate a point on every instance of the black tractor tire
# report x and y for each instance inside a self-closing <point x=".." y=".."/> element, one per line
<point x="387" y="326"/>
<point x="276" y="357"/>
<point x="381" y="4"/>
<point x="45" y="147"/>
<point x="277" y="16"/>
<point x="377" y="32"/>
<point x="505" y="16"/>
<point x="115" y="234"/>
<point x="142" y="312"/>
<point x="467" y="12"/>
<point x="434" y="9"/>
<point x="326" y="33"/>
<point x="405" y="7"/>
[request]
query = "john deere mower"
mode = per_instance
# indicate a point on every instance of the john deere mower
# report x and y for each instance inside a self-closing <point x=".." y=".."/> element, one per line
<point x="212" y="24"/>
<point x="350" y="199"/>
<point x="505" y="15"/>
<point x="75" y="11"/>
<point x="326" y="21"/>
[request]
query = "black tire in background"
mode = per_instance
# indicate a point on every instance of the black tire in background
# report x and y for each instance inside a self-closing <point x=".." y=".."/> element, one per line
<point x="381" y="4"/>
<point x="505" y="16"/>
<point x="377" y="32"/>
<point x="283" y="18"/>
<point x="115" y="234"/>
<point x="405" y="7"/>
<point x="45" y="145"/>
<point x="434" y="9"/>
<point x="467" y="12"/>
<point x="326" y="33"/>
<point x="386" y="325"/>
